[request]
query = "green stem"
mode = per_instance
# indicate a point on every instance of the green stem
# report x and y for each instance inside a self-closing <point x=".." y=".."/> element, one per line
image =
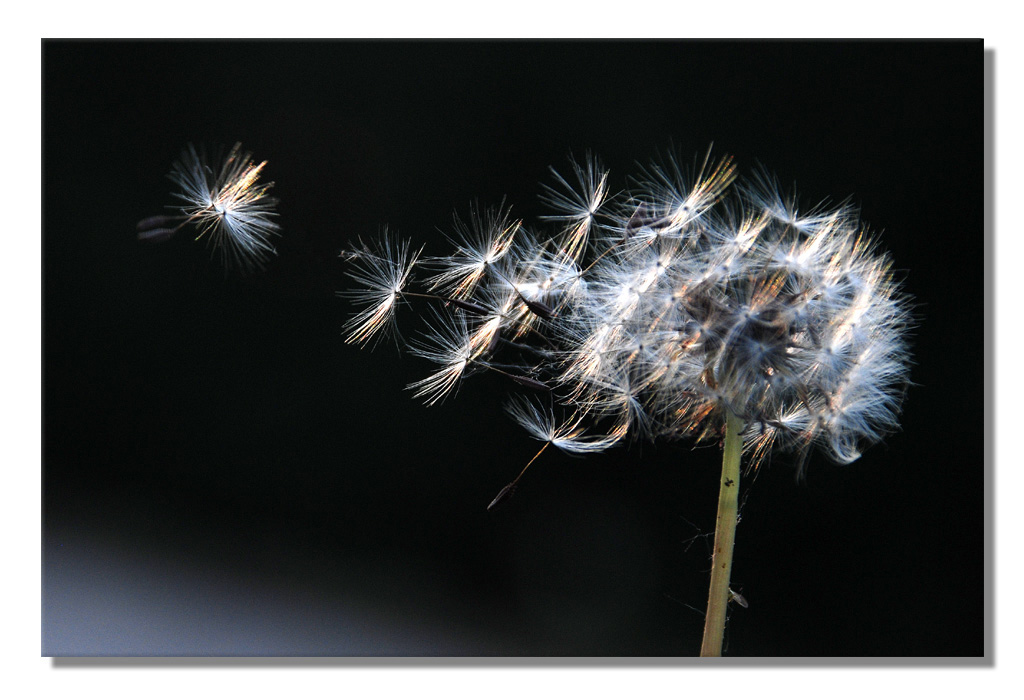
<point x="725" y="537"/>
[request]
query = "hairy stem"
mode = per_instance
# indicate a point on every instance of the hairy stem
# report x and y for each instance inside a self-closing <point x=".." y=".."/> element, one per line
<point x="725" y="537"/>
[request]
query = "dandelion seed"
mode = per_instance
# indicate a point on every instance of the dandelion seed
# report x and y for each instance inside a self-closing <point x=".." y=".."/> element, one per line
<point x="480" y="243"/>
<point x="763" y="192"/>
<point x="567" y="436"/>
<point x="383" y="270"/>
<point x="449" y="344"/>
<point x="230" y="208"/>
<point x="577" y="208"/>
<point x="673" y="203"/>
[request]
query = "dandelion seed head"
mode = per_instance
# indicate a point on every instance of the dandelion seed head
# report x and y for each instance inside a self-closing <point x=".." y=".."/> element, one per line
<point x="653" y="311"/>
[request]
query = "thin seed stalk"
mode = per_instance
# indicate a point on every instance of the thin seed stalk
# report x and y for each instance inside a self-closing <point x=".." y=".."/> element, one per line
<point x="725" y="537"/>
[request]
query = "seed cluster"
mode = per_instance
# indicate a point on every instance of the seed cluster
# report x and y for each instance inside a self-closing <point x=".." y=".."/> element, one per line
<point x="653" y="311"/>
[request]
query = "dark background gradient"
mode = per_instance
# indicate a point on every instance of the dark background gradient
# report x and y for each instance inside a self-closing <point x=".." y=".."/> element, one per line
<point x="224" y="476"/>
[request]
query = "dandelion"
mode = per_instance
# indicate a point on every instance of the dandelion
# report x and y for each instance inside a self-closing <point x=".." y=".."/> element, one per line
<point x="227" y="206"/>
<point x="684" y="307"/>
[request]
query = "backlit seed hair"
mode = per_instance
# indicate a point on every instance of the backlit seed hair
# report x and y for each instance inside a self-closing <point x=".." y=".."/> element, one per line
<point x="225" y="203"/>
<point x="653" y="311"/>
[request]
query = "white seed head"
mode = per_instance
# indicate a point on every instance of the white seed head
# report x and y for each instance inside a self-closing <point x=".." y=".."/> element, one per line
<point x="654" y="310"/>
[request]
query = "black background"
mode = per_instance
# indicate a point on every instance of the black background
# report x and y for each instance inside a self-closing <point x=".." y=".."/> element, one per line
<point x="224" y="476"/>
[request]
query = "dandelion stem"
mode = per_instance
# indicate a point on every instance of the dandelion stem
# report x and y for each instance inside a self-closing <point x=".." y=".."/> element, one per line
<point x="725" y="537"/>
